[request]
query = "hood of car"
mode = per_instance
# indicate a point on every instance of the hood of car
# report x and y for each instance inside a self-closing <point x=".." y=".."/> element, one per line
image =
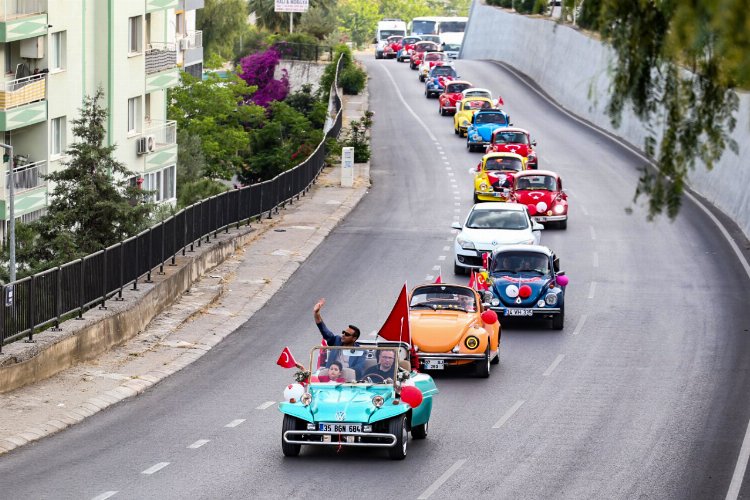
<point x="486" y="129"/>
<point x="535" y="197"/>
<point x="346" y="402"/>
<point x="500" y="177"/>
<point x="507" y="287"/>
<point x="438" y="331"/>
<point x="486" y="240"/>
<point x="521" y="149"/>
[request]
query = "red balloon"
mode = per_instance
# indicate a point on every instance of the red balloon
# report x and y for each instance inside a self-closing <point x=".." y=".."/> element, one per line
<point x="532" y="209"/>
<point x="489" y="317"/>
<point x="411" y="396"/>
<point x="524" y="292"/>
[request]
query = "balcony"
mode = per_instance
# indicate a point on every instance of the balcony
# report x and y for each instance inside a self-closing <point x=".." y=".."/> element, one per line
<point x="23" y="102"/>
<point x="154" y="5"/>
<point x="195" y="39"/>
<point x="192" y="45"/>
<point x="163" y="135"/>
<point x="21" y="19"/>
<point x="161" y="67"/>
<point x="27" y="175"/>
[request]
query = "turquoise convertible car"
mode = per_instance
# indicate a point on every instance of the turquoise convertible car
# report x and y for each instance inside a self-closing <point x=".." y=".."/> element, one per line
<point x="377" y="407"/>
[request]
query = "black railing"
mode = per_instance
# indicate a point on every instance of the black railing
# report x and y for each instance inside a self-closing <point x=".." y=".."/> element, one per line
<point x="46" y="298"/>
<point x="303" y="51"/>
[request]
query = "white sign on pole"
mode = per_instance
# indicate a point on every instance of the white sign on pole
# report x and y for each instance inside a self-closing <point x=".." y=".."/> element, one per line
<point x="291" y="5"/>
<point x="347" y="167"/>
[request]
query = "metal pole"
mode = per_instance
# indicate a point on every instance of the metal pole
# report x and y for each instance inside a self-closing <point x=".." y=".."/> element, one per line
<point x="11" y="212"/>
<point x="291" y="22"/>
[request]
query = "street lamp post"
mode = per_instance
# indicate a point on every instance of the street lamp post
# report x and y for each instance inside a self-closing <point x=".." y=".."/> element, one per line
<point x="11" y="213"/>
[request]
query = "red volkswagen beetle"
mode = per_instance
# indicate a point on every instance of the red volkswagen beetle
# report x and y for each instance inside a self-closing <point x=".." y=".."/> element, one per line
<point x="393" y="45"/>
<point x="451" y="95"/>
<point x="515" y="140"/>
<point x="419" y="49"/>
<point x="542" y="192"/>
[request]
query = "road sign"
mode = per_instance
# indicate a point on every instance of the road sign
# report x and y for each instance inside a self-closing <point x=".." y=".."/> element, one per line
<point x="291" y="5"/>
<point x="347" y="167"/>
<point x="9" y="295"/>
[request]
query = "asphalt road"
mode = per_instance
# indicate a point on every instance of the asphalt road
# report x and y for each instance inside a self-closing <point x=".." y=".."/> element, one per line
<point x="644" y="394"/>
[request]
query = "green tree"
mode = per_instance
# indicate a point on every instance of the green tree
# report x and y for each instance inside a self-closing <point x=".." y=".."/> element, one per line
<point x="358" y="19"/>
<point x="93" y="203"/>
<point x="406" y="10"/>
<point x="222" y="22"/>
<point x="268" y="18"/>
<point x="318" y="22"/>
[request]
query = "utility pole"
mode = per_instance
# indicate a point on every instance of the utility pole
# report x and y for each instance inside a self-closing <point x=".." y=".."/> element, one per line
<point x="11" y="212"/>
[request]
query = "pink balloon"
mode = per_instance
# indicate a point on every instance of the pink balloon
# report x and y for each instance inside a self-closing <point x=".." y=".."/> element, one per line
<point x="563" y="280"/>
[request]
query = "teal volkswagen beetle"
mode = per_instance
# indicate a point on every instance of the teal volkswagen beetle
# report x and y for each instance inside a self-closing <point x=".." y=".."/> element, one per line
<point x="376" y="407"/>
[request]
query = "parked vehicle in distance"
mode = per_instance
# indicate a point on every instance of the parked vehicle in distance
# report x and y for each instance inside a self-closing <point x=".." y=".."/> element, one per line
<point x="387" y="28"/>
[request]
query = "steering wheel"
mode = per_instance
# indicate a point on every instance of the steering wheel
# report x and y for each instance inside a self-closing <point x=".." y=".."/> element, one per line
<point x="368" y="378"/>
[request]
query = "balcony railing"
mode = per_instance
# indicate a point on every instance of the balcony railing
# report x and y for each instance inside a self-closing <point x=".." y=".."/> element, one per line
<point x="160" y="57"/>
<point x="163" y="131"/>
<point x="15" y="93"/>
<point x="12" y="9"/>
<point x="27" y="175"/>
<point x="195" y="39"/>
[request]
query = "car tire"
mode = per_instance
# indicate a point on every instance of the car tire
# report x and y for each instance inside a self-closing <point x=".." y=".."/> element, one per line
<point x="483" y="365"/>
<point x="420" y="431"/>
<point x="458" y="270"/>
<point x="558" y="321"/>
<point x="455" y="131"/>
<point x="496" y="359"/>
<point x="442" y="111"/>
<point x="563" y="224"/>
<point x="397" y="427"/>
<point x="290" y="424"/>
<point x="476" y="199"/>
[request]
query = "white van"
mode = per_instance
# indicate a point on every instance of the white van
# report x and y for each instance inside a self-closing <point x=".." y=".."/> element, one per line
<point x="386" y="28"/>
<point x="451" y="44"/>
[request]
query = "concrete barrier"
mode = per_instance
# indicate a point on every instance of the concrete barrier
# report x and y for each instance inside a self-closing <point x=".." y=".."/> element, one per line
<point x="300" y="73"/>
<point x="573" y="68"/>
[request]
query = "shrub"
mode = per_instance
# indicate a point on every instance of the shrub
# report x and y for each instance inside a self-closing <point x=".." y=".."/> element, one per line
<point x="258" y="69"/>
<point x="352" y="80"/>
<point x="358" y="137"/>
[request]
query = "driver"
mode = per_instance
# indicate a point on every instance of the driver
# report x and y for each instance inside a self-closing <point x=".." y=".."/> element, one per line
<point x="384" y="368"/>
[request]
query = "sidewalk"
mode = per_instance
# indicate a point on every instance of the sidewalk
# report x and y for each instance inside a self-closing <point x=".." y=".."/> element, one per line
<point x="217" y="304"/>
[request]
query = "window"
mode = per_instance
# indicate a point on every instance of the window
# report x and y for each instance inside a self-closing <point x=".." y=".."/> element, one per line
<point x="134" y="110"/>
<point x="169" y="183"/>
<point x="57" y="136"/>
<point x="57" y="51"/>
<point x="161" y="184"/>
<point x="134" y="34"/>
<point x="147" y="108"/>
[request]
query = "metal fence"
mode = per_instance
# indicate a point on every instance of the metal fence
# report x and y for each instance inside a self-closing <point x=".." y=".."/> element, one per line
<point x="47" y="298"/>
<point x="303" y="51"/>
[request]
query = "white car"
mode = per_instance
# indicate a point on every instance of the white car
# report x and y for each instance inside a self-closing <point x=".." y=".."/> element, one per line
<point x="477" y="92"/>
<point x="428" y="61"/>
<point x="489" y="226"/>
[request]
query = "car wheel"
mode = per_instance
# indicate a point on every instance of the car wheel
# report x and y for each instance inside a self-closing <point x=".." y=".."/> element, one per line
<point x="420" y="431"/>
<point x="476" y="199"/>
<point x="483" y="365"/>
<point x="442" y="111"/>
<point x="458" y="269"/>
<point x="496" y="359"/>
<point x="563" y="224"/>
<point x="559" y="319"/>
<point x="455" y="131"/>
<point x="290" y="424"/>
<point x="397" y="427"/>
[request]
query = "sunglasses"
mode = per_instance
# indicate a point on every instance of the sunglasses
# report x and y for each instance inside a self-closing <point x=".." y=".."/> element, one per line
<point x="347" y="334"/>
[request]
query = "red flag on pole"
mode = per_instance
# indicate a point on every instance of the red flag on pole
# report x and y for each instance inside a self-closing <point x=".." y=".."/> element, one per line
<point x="396" y="326"/>
<point x="439" y="278"/>
<point x="322" y="354"/>
<point x="485" y="260"/>
<point x="472" y="280"/>
<point x="286" y="360"/>
<point x="480" y="280"/>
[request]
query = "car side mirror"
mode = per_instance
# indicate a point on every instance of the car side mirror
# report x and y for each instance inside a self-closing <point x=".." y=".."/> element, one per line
<point x="537" y="227"/>
<point x="533" y="143"/>
<point x="560" y="273"/>
<point x="456" y="225"/>
<point x="375" y="41"/>
<point x="510" y="124"/>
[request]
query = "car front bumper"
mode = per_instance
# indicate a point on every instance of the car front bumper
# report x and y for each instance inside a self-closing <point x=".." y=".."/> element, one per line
<point x="550" y="218"/>
<point x="321" y="438"/>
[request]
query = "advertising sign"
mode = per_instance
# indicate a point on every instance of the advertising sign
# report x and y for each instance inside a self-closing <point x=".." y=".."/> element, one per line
<point x="292" y="5"/>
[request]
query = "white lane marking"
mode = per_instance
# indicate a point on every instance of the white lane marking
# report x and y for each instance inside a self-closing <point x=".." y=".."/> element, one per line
<point x="439" y="482"/>
<point x="456" y="197"/>
<point x="235" y="423"/>
<point x="508" y="414"/>
<point x="265" y="405"/>
<point x="554" y="364"/>
<point x="446" y="249"/>
<point x="449" y="168"/>
<point x="592" y="289"/>
<point x="579" y="326"/>
<point x="429" y="277"/>
<point x="739" y="469"/>
<point x="595" y="259"/>
<point x="583" y="209"/>
<point x="446" y="162"/>
<point x="457" y="204"/>
<point x="408" y="108"/>
<point x="457" y="210"/>
<point x="442" y="257"/>
<point x="436" y="268"/>
<point x="198" y="444"/>
<point x="451" y="174"/>
<point x="593" y="233"/>
<point x="155" y="468"/>
<point x="105" y="495"/>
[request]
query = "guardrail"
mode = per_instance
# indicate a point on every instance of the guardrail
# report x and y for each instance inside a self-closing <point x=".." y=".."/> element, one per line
<point x="44" y="299"/>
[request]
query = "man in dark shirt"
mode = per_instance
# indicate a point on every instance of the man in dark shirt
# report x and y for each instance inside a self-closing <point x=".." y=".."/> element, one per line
<point x="347" y="338"/>
<point x="384" y="369"/>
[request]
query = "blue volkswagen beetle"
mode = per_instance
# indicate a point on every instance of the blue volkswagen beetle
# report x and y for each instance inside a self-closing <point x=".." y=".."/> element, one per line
<point x="483" y="123"/>
<point x="526" y="282"/>
<point x="437" y="78"/>
<point x="369" y="408"/>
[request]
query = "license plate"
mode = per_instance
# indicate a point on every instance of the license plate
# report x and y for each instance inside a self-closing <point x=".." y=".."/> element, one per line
<point x="498" y="195"/>
<point x="330" y="427"/>
<point x="519" y="312"/>
<point x="540" y="219"/>
<point x="434" y="364"/>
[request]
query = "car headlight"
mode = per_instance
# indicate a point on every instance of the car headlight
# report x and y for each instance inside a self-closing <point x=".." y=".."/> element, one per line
<point x="465" y="244"/>
<point x="550" y="299"/>
<point x="530" y="241"/>
<point x="306" y="399"/>
<point x="559" y="208"/>
<point x="471" y="342"/>
<point x="378" y="401"/>
<point x="495" y="302"/>
<point x="465" y="123"/>
<point x="476" y="137"/>
<point x="483" y="186"/>
<point x="487" y="296"/>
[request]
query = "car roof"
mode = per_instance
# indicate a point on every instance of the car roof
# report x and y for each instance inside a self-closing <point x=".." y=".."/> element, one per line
<point x="512" y="129"/>
<point x="516" y="248"/>
<point x="452" y="285"/>
<point x="480" y="89"/>
<point x="460" y="81"/>
<point x="537" y="172"/>
<point x="494" y="111"/>
<point x="492" y="205"/>
<point x="476" y="98"/>
<point x="504" y="154"/>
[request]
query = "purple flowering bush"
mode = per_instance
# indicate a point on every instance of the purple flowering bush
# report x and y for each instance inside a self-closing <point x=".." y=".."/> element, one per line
<point x="258" y="70"/>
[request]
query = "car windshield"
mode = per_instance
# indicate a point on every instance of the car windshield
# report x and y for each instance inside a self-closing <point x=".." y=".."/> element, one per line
<point x="443" y="71"/>
<point x="503" y="163"/>
<point x="452" y="47"/>
<point x="425" y="47"/>
<point x="422" y="27"/>
<point x="498" y="219"/>
<point x="537" y="183"/>
<point x="478" y="93"/>
<point x="491" y="118"/>
<point x="354" y="365"/>
<point x="470" y="105"/>
<point x="433" y="56"/>
<point x="511" y="138"/>
<point x="437" y="297"/>
<point x="457" y="87"/>
<point x="394" y="39"/>
<point x="385" y="34"/>
<point x="452" y="26"/>
<point x="411" y="39"/>
<point x="520" y="262"/>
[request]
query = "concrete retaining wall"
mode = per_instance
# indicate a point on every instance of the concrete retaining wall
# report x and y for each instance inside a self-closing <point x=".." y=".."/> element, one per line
<point x="573" y="69"/>
<point x="301" y="72"/>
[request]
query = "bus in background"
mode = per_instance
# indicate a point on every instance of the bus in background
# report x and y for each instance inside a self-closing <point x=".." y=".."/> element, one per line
<point x="452" y="25"/>
<point x="386" y="28"/>
<point x="424" y="26"/>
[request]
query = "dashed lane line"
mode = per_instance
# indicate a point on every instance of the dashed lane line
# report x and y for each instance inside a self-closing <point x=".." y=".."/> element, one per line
<point x="554" y="364"/>
<point x="198" y="444"/>
<point x="439" y="482"/>
<point x="105" y="495"/>
<point x="408" y="108"/>
<point x="592" y="289"/>
<point x="580" y="324"/>
<point x="593" y="233"/>
<point x="265" y="405"/>
<point x="508" y="414"/>
<point x="235" y="423"/>
<point x="155" y="468"/>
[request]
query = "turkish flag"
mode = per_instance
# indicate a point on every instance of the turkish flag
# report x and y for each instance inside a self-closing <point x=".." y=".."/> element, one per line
<point x="286" y="360"/>
<point x="439" y="278"/>
<point x="396" y="326"/>
<point x="481" y="282"/>
<point x="472" y="280"/>
<point x="485" y="260"/>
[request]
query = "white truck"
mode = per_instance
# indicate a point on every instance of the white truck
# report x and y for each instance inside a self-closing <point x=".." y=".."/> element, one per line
<point x="386" y="28"/>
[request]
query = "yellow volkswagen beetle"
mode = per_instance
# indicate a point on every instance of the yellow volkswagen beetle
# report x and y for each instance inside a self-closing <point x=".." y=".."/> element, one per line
<point x="465" y="109"/>
<point x="494" y="177"/>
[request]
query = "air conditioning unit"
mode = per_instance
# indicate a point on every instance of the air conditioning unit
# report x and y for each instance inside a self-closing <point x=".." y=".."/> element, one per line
<point x="150" y="143"/>
<point x="184" y="43"/>
<point x="141" y="146"/>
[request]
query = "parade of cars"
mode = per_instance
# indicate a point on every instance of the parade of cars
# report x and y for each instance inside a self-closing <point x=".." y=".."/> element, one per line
<point x="429" y="61"/>
<point x="420" y="48"/>
<point x="515" y="140"/>
<point x="464" y="112"/>
<point x="438" y="77"/>
<point x="542" y="192"/>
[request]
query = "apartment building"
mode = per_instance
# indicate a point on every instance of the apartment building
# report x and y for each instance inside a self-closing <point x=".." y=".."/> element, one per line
<point x="55" y="52"/>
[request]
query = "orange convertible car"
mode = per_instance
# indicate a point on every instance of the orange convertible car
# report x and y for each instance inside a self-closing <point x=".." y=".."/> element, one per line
<point x="450" y="327"/>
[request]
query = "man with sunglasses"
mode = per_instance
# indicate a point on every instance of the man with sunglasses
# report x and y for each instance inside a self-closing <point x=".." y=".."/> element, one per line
<point x="347" y="338"/>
